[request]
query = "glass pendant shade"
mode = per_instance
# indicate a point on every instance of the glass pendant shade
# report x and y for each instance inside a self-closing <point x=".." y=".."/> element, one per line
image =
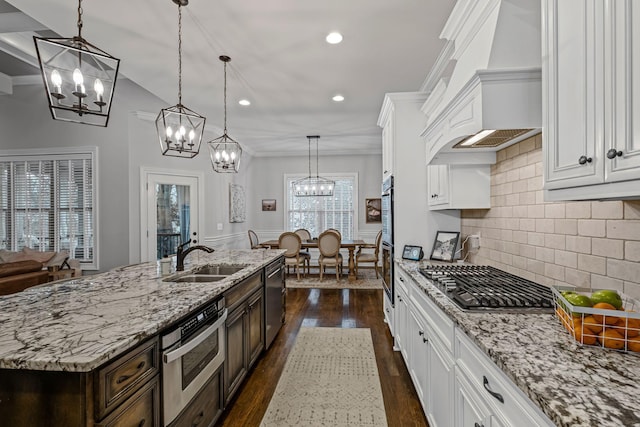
<point x="225" y="154"/>
<point x="79" y="79"/>
<point x="313" y="185"/>
<point x="180" y="131"/>
<point x="224" y="151"/>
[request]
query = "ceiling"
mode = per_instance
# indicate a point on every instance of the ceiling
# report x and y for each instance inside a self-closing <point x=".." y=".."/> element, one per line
<point x="280" y="60"/>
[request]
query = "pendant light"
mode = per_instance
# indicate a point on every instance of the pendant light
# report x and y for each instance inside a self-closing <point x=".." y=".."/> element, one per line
<point x="313" y="185"/>
<point x="179" y="128"/>
<point x="79" y="78"/>
<point x="224" y="151"/>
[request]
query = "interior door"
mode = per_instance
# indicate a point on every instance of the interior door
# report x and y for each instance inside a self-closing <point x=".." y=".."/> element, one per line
<point x="172" y="213"/>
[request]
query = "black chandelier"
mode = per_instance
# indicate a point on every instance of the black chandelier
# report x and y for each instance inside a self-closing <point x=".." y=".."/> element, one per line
<point x="313" y="185"/>
<point x="67" y="65"/>
<point x="225" y="152"/>
<point x="179" y="128"/>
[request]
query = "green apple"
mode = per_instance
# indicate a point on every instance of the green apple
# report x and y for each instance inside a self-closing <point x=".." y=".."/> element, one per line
<point x="609" y="296"/>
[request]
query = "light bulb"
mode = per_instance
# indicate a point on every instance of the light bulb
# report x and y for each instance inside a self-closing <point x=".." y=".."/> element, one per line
<point x="313" y="188"/>
<point x="330" y="187"/>
<point x="56" y="79"/>
<point x="77" y="77"/>
<point x="182" y="131"/>
<point x="225" y="156"/>
<point x="218" y="155"/>
<point x="192" y="135"/>
<point x="297" y="188"/>
<point x="99" y="88"/>
<point x="233" y="155"/>
<point x="322" y="188"/>
<point x="306" y="188"/>
<point x="169" y="132"/>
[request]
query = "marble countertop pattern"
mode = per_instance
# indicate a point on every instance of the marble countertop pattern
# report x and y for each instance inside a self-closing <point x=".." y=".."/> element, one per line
<point x="79" y="324"/>
<point x="573" y="385"/>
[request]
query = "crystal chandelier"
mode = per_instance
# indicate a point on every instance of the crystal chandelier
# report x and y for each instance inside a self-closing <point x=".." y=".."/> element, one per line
<point x="313" y="185"/>
<point x="179" y="128"/>
<point x="67" y="64"/>
<point x="224" y="151"/>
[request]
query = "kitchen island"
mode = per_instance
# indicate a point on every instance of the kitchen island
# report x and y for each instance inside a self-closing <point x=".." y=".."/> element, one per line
<point x="571" y="385"/>
<point x="64" y="330"/>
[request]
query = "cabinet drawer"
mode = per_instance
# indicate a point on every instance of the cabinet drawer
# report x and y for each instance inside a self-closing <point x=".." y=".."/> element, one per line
<point x="243" y="289"/>
<point x="142" y="409"/>
<point x="441" y="324"/>
<point x="206" y="406"/>
<point x="492" y="384"/>
<point x="119" y="379"/>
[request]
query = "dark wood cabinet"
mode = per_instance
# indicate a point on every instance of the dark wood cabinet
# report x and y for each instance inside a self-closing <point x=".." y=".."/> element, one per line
<point x="245" y="331"/>
<point x="205" y="408"/>
<point x="124" y="392"/>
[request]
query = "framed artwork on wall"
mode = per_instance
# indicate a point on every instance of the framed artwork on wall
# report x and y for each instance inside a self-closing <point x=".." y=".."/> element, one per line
<point x="444" y="247"/>
<point x="237" y="203"/>
<point x="269" y="205"/>
<point x="373" y="210"/>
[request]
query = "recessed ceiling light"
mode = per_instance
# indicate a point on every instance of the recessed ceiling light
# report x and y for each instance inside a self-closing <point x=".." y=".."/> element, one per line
<point x="338" y="98"/>
<point x="244" y="102"/>
<point x="334" y="38"/>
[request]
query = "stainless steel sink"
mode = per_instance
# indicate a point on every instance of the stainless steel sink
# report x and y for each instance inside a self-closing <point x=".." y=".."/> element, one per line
<point x="199" y="278"/>
<point x="220" y="270"/>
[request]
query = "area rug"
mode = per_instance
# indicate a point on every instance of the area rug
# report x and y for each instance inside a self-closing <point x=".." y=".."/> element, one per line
<point x="330" y="379"/>
<point x="366" y="280"/>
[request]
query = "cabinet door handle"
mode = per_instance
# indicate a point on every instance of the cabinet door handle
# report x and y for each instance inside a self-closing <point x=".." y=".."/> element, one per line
<point x="421" y="333"/>
<point x="399" y="298"/>
<point x="478" y="425"/>
<point x="425" y="340"/>
<point x="498" y="396"/>
<point x="123" y="378"/>
<point x="401" y="279"/>
<point x="197" y="420"/>
<point x="584" y="159"/>
<point x="613" y="153"/>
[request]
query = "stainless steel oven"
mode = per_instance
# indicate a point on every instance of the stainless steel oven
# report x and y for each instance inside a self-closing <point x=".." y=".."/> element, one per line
<point x="387" y="238"/>
<point x="192" y="352"/>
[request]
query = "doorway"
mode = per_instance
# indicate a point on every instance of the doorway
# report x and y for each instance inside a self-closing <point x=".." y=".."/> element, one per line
<point x="170" y="211"/>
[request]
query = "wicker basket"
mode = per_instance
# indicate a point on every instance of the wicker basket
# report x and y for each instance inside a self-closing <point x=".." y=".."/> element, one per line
<point x="613" y="329"/>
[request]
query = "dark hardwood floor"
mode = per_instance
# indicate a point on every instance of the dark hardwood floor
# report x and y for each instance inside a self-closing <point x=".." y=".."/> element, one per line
<point x="342" y="308"/>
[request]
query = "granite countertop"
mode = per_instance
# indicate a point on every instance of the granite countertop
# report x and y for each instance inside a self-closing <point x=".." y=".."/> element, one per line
<point x="79" y="324"/>
<point x="573" y="385"/>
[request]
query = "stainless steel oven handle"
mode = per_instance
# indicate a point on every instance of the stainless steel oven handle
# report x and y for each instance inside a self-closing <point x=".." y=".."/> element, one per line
<point x="184" y="349"/>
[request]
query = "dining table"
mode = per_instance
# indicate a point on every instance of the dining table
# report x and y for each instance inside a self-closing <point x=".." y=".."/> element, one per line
<point x="351" y="245"/>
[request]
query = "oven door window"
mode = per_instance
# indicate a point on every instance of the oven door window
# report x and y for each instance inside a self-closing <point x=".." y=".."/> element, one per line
<point x="198" y="358"/>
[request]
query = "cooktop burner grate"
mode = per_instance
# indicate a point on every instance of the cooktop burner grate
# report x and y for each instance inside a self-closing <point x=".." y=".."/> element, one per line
<point x="485" y="288"/>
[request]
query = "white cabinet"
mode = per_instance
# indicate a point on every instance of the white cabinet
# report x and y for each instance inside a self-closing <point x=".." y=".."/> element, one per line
<point x="459" y="186"/>
<point x="402" y="316"/>
<point x="387" y="146"/>
<point x="418" y="362"/>
<point x="505" y="404"/>
<point x="470" y="411"/>
<point x="591" y="99"/>
<point x="389" y="313"/>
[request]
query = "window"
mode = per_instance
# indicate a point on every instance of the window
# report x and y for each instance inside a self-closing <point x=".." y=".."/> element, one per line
<point x="316" y="214"/>
<point x="47" y="202"/>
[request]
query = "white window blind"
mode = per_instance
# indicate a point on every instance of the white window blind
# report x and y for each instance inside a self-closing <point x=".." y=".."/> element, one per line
<point x="47" y="203"/>
<point x="318" y="213"/>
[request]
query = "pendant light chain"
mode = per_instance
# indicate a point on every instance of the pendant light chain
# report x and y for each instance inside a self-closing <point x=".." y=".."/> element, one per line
<point x="317" y="167"/>
<point x="179" y="54"/>
<point x="309" y="140"/>
<point x="80" y="11"/>
<point x="225" y="98"/>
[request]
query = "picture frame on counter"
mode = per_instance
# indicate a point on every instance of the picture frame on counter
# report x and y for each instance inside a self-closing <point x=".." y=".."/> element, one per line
<point x="444" y="246"/>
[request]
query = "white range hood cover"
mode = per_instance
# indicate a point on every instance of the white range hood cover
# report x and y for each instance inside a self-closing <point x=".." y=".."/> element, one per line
<point x="495" y="46"/>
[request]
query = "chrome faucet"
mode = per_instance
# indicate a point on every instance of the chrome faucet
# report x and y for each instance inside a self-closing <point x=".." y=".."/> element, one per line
<point x="181" y="253"/>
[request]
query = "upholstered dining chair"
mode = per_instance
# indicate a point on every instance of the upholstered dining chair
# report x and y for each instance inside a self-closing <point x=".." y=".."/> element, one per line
<point x="253" y="240"/>
<point x="293" y="257"/>
<point x="329" y="246"/>
<point x="304" y="236"/>
<point x="365" y="257"/>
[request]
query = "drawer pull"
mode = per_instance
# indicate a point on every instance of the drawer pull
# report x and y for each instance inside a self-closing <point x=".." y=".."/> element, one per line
<point x="421" y="333"/>
<point x="124" y="378"/>
<point x="424" y="340"/>
<point x="197" y="420"/>
<point x="142" y="422"/>
<point x="478" y="425"/>
<point x="491" y="392"/>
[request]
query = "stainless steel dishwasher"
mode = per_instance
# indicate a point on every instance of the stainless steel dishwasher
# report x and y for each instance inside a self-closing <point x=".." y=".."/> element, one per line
<point x="274" y="300"/>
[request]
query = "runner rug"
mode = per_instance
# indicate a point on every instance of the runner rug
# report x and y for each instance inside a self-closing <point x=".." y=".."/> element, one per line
<point x="330" y="379"/>
<point x="366" y="280"/>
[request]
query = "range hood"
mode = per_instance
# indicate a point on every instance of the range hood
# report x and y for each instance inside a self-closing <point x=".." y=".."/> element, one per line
<point x="493" y="95"/>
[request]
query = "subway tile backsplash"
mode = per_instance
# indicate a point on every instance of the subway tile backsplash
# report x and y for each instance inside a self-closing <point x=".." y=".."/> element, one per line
<point x="592" y="244"/>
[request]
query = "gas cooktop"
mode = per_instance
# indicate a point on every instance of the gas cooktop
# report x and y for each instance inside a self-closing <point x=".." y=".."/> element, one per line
<point x="485" y="288"/>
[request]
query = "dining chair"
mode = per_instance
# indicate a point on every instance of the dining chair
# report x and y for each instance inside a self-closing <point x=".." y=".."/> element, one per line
<point x="365" y="257"/>
<point x="253" y="240"/>
<point x="329" y="246"/>
<point x="293" y="257"/>
<point x="305" y="235"/>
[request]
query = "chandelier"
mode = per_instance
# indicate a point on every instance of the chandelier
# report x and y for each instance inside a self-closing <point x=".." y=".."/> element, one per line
<point x="224" y="151"/>
<point x="313" y="185"/>
<point x="67" y="64"/>
<point x="179" y="128"/>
